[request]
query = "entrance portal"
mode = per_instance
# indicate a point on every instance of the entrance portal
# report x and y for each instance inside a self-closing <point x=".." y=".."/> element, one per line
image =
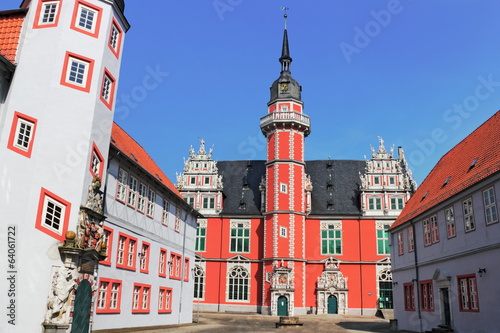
<point x="81" y="311"/>
<point x="282" y="306"/>
<point x="332" y="304"/>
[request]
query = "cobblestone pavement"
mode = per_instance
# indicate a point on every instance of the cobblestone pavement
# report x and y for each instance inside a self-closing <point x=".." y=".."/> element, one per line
<point x="235" y="323"/>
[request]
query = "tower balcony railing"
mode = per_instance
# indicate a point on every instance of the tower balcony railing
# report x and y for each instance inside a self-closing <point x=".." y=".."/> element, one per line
<point x="286" y="117"/>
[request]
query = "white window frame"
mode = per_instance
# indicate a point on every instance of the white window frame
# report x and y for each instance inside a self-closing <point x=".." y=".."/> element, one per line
<point x="69" y="72"/>
<point x="164" y="215"/>
<point x="142" y="202"/>
<point x="469" y="223"/>
<point x="27" y="137"/>
<point x="434" y="229"/>
<point x="241" y="297"/>
<point x="48" y="18"/>
<point x="62" y="212"/>
<point x="151" y="203"/>
<point x="451" y="229"/>
<point x="79" y="16"/>
<point x="283" y="232"/>
<point x="132" y="192"/>
<point x="490" y="206"/>
<point x="283" y="188"/>
<point x="122" y="188"/>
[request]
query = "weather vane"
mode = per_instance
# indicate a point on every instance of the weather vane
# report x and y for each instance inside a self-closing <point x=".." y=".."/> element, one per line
<point x="285" y="15"/>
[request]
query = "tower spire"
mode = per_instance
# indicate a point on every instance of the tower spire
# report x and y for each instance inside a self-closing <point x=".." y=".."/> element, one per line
<point x="285" y="58"/>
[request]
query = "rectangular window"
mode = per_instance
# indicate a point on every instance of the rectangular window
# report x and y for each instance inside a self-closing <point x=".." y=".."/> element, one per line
<point x="108" y="89"/>
<point x="164" y="216"/>
<point x="450" y="222"/>
<point x="427" y="232"/>
<point x="53" y="215"/>
<point x="434" y="229"/>
<point x="126" y="252"/>
<point x="151" y="203"/>
<point x="109" y="296"/>
<point x="411" y="239"/>
<point x="47" y="14"/>
<point x="177" y="226"/>
<point x="383" y="239"/>
<point x="376" y="180"/>
<point x="144" y="255"/>
<point x="141" y="298"/>
<point x="467" y="289"/>
<point x="165" y="300"/>
<point x="468" y="215"/>
<point x="132" y="192"/>
<point x="401" y="245"/>
<point x="490" y="206"/>
<point x="427" y="295"/>
<point x="207" y="180"/>
<point x="190" y="201"/>
<point x="77" y="72"/>
<point x="392" y="181"/>
<point x="22" y="134"/>
<point x="162" y="265"/>
<point x="283" y="232"/>
<point x="240" y="237"/>
<point x="143" y="192"/>
<point x="86" y="19"/>
<point x="96" y="162"/>
<point x="331" y="238"/>
<point x="374" y="203"/>
<point x="201" y="237"/>
<point x="175" y="266"/>
<point x="208" y="202"/>
<point x="409" y="295"/>
<point x="121" y="191"/>
<point x="283" y="188"/>
<point x="397" y="203"/>
<point x="115" y="38"/>
<point x="193" y="180"/>
<point x="186" y="269"/>
<point x="107" y="239"/>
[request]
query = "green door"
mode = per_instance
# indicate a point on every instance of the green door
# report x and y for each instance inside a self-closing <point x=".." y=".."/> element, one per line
<point x="81" y="311"/>
<point x="332" y="304"/>
<point x="282" y="306"/>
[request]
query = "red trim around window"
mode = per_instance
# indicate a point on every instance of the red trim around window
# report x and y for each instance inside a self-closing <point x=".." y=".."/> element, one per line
<point x="409" y="296"/>
<point x="109" y="103"/>
<point x="13" y="134"/>
<point x="146" y="257"/>
<point x="126" y="252"/>
<point x="143" y="288"/>
<point x="37" y="25"/>
<point x="97" y="23"/>
<point x="471" y="281"/>
<point x="427" y="296"/>
<point x="60" y="236"/>
<point x="186" y="269"/>
<point x="165" y="305"/>
<point x="162" y="272"/>
<point x="175" y="266"/>
<point x="109" y="247"/>
<point x="101" y="161"/>
<point x="64" y="74"/>
<point x="107" y="308"/>
<point x="117" y="50"/>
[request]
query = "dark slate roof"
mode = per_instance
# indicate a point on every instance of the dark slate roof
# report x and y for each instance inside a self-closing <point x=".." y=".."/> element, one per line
<point x="338" y="195"/>
<point x="241" y="181"/>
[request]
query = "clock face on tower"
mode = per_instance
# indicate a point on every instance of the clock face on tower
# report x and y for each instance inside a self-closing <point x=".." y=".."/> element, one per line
<point x="284" y="87"/>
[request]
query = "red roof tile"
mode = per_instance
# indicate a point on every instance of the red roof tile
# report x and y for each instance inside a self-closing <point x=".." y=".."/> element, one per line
<point x="129" y="147"/>
<point x="11" y="22"/>
<point x="482" y="146"/>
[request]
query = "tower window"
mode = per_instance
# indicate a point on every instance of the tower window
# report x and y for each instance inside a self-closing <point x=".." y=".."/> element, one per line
<point x="86" y="18"/>
<point x="283" y="188"/>
<point x="96" y="162"/>
<point x="115" y="38"/>
<point x="22" y="133"/>
<point x="47" y="14"/>
<point x="77" y="72"/>
<point x="107" y="89"/>
<point x="53" y="215"/>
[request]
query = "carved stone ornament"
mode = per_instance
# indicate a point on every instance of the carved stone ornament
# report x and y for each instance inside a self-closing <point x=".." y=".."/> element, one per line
<point x="59" y="300"/>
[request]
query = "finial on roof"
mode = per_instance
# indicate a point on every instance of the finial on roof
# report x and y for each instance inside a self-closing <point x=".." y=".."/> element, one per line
<point x="285" y="15"/>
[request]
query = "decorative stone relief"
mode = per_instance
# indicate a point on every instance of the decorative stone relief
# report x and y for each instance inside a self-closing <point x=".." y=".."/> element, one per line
<point x="59" y="301"/>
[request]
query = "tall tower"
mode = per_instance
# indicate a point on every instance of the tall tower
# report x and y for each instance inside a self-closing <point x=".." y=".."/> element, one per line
<point x="285" y="127"/>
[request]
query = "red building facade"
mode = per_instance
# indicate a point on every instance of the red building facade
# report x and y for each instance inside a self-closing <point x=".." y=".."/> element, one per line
<point x="287" y="236"/>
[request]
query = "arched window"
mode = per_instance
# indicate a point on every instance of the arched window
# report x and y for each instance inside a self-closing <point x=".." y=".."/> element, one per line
<point x="238" y="284"/>
<point x="385" y="289"/>
<point x="199" y="283"/>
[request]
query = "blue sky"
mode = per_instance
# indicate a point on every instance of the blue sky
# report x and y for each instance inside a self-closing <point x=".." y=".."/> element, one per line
<point x="422" y="74"/>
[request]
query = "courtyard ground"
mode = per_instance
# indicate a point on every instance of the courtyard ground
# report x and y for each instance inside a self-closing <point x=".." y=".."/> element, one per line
<point x="235" y="323"/>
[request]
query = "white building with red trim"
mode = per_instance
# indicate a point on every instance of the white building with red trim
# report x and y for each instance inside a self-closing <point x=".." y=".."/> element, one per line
<point x="447" y="241"/>
<point x="60" y="65"/>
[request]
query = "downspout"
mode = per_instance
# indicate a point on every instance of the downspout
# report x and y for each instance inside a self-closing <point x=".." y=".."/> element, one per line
<point x="360" y="267"/>
<point x="417" y="277"/>
<point x="220" y="262"/>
